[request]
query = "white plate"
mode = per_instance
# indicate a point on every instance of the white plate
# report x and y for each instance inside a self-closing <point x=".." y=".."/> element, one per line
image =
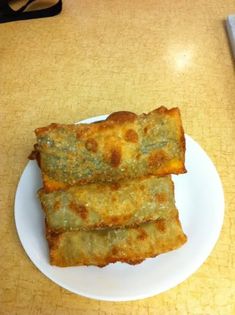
<point x="200" y="200"/>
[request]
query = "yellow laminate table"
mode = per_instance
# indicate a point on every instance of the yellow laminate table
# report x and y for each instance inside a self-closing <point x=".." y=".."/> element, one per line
<point x="102" y="56"/>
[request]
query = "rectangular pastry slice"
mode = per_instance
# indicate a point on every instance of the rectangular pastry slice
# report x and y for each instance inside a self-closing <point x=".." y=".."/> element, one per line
<point x="103" y="205"/>
<point x="130" y="245"/>
<point x="123" y="146"/>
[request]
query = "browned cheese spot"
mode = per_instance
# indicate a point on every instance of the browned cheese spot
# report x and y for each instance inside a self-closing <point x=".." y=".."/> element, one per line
<point x="131" y="136"/>
<point x="79" y="209"/>
<point x="119" y="220"/>
<point x="161" y="197"/>
<point x="160" y="225"/>
<point x="57" y="205"/>
<point x="145" y="130"/>
<point x="114" y="251"/>
<point x="80" y="131"/>
<point x="115" y="157"/>
<point x="115" y="186"/>
<point x="142" y="235"/>
<point x="51" y="184"/>
<point x="91" y="145"/>
<point x="157" y="158"/>
<point x="115" y="220"/>
<point x="121" y="117"/>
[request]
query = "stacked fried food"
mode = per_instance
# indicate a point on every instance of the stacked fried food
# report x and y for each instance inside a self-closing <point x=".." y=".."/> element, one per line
<point x="107" y="192"/>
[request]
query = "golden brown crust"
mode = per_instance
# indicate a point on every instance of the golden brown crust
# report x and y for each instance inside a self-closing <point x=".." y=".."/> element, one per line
<point x="91" y="145"/>
<point x="115" y="157"/>
<point x="128" y="223"/>
<point x="45" y="129"/>
<point x="50" y="184"/>
<point x="161" y="197"/>
<point x="81" y="209"/>
<point x="160" y="225"/>
<point x="114" y="205"/>
<point x="123" y="146"/>
<point x="131" y="136"/>
<point x="122" y="116"/>
<point x="131" y="245"/>
<point x="156" y="158"/>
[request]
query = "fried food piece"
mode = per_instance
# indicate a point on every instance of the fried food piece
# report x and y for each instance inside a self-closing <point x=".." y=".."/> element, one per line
<point x="102" y="205"/>
<point x="123" y="146"/>
<point x="130" y="245"/>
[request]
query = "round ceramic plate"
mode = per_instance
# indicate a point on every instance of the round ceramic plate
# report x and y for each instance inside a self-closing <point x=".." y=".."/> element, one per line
<point x="200" y="200"/>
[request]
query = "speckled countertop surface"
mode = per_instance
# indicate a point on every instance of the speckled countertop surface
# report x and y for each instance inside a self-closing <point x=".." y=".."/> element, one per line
<point x="102" y="56"/>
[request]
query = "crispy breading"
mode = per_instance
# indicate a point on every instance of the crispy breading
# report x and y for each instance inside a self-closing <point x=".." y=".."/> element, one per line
<point x="130" y="245"/>
<point x="102" y="205"/>
<point x="123" y="146"/>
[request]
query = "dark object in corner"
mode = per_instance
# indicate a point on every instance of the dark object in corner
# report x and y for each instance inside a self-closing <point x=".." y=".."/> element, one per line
<point x="7" y="14"/>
